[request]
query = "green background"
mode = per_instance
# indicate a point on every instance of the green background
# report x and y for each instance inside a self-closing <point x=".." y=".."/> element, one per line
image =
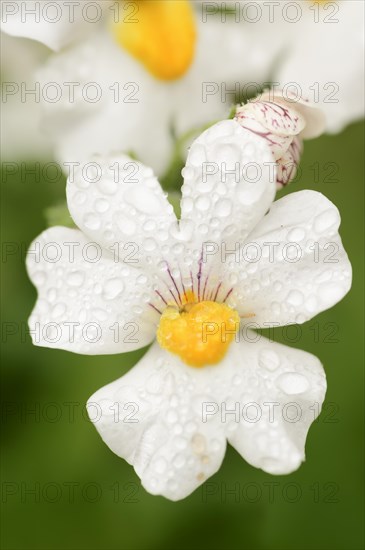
<point x="317" y="507"/>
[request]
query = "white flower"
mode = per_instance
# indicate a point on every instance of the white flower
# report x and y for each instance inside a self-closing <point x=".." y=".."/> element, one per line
<point x="20" y="120"/>
<point x="283" y="121"/>
<point x="317" y="48"/>
<point x="187" y="84"/>
<point x="227" y="259"/>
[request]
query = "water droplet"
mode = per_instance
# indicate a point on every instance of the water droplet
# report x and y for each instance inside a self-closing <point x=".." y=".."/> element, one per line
<point x="172" y="416"/>
<point x="197" y="155"/>
<point x="187" y="172"/>
<point x="149" y="225"/>
<point x="52" y="294"/>
<point x="101" y="205"/>
<point x="295" y="298"/>
<point x="75" y="278"/>
<point x="107" y="186"/>
<point x="144" y="200"/>
<point x="296" y="235"/>
<point x="79" y="198"/>
<point x="113" y="288"/>
<point x="160" y="465"/>
<point x="269" y="359"/>
<point x="203" y="203"/>
<point x="223" y="208"/>
<point x="82" y="183"/>
<point x="91" y="221"/>
<point x="39" y="278"/>
<point x="187" y="205"/>
<point x="179" y="461"/>
<point x="126" y="225"/>
<point x="150" y="245"/>
<point x="292" y="383"/>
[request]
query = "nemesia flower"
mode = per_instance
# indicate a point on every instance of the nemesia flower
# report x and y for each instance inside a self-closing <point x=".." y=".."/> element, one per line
<point x="284" y="121"/>
<point x="317" y="50"/>
<point x="141" y="65"/>
<point x="20" y="120"/>
<point x="193" y="288"/>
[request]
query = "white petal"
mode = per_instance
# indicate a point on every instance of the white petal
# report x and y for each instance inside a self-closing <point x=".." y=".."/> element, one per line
<point x="52" y="24"/>
<point x="314" y="117"/>
<point x="88" y="302"/>
<point x="229" y="183"/>
<point x="293" y="265"/>
<point x="171" y="421"/>
<point x="282" y="391"/>
<point x="120" y="204"/>
<point x="171" y="449"/>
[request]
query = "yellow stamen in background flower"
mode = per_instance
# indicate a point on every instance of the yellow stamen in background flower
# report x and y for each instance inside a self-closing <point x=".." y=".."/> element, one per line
<point x="161" y="34"/>
<point x="200" y="333"/>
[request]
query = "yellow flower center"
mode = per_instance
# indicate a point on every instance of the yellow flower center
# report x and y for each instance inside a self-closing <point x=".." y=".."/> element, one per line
<point x="161" y="34"/>
<point x="199" y="333"/>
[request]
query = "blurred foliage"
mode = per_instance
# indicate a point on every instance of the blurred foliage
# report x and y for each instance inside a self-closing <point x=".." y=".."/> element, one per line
<point x="85" y="497"/>
<point x="58" y="215"/>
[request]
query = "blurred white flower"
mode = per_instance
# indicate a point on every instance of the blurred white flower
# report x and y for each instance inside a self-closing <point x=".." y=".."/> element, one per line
<point x="163" y="66"/>
<point x="133" y="272"/>
<point x="21" y="131"/>
<point x="321" y="52"/>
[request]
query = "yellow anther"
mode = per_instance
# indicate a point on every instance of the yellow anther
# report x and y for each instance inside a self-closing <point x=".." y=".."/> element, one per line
<point x="161" y="34"/>
<point x="200" y="333"/>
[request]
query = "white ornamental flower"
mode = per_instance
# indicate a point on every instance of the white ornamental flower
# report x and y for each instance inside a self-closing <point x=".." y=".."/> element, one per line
<point x="20" y="120"/>
<point x="317" y="51"/>
<point x="143" y="64"/>
<point x="235" y="261"/>
<point x="283" y="121"/>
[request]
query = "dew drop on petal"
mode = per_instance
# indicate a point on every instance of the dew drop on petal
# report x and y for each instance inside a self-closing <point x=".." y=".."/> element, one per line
<point x="91" y="221"/>
<point x="268" y="359"/>
<point x="113" y="288"/>
<point x="75" y="278"/>
<point x="39" y="278"/>
<point x="127" y="226"/>
<point x="292" y="383"/>
<point x="101" y="205"/>
<point x="203" y="203"/>
<point x="223" y="208"/>
<point x="79" y="198"/>
<point x="150" y="245"/>
<point x="107" y="186"/>
<point x="142" y="280"/>
<point x="295" y="298"/>
<point x="296" y="235"/>
<point x="160" y="465"/>
<point x="144" y="200"/>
